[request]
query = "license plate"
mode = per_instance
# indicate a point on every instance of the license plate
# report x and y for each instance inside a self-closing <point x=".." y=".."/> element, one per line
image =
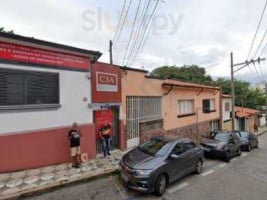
<point x="124" y="177"/>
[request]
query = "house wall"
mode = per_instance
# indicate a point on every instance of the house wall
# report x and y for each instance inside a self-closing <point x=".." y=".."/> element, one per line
<point x="38" y="137"/>
<point x="134" y="83"/>
<point x="226" y="119"/>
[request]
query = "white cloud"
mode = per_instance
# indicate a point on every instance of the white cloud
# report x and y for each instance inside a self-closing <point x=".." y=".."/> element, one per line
<point x="205" y="31"/>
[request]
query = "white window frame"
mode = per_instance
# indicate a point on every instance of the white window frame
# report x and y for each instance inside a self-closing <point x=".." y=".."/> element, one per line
<point x="186" y="106"/>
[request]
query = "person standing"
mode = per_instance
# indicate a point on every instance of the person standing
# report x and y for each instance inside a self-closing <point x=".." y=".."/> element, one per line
<point x="75" y="149"/>
<point x="104" y="134"/>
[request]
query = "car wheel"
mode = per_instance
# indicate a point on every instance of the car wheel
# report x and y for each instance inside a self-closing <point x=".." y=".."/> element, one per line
<point x="257" y="145"/>
<point x="227" y="157"/>
<point x="199" y="167"/>
<point x="249" y="148"/>
<point x="160" y="185"/>
<point x="239" y="152"/>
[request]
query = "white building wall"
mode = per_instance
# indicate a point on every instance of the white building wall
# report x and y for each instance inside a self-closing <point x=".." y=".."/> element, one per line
<point x="226" y="114"/>
<point x="74" y="87"/>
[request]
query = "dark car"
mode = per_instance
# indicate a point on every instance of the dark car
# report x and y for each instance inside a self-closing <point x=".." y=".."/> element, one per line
<point x="248" y="140"/>
<point x="222" y="145"/>
<point x="153" y="165"/>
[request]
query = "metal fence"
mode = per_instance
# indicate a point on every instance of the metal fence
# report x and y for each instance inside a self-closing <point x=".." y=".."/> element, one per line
<point x="141" y="109"/>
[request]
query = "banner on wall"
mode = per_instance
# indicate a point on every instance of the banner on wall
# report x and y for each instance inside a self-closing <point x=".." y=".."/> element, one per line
<point x="22" y="53"/>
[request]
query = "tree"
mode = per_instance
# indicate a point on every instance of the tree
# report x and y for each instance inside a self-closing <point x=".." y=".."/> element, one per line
<point x="2" y="30"/>
<point x="244" y="96"/>
<point x="192" y="73"/>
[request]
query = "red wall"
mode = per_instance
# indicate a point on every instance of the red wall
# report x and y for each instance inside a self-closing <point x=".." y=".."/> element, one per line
<point x="105" y="97"/>
<point x="42" y="148"/>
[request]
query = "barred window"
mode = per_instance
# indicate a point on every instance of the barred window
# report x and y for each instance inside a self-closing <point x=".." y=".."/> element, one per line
<point x="19" y="87"/>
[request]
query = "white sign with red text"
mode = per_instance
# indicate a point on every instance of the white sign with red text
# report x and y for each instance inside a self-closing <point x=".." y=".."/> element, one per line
<point x="106" y="82"/>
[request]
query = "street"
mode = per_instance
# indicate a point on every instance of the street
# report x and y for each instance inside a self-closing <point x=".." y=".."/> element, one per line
<point x="244" y="177"/>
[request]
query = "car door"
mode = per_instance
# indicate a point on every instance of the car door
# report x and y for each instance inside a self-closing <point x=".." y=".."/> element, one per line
<point x="176" y="164"/>
<point x="231" y="144"/>
<point x="190" y="156"/>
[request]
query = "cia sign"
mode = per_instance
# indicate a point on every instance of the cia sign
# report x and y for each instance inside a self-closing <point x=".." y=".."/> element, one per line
<point x="106" y="82"/>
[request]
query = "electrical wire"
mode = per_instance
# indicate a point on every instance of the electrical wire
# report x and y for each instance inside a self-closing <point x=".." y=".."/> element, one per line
<point x="123" y="22"/>
<point x="255" y="35"/>
<point x="120" y="20"/>
<point x="145" y="36"/>
<point x="131" y="35"/>
<point x="140" y="33"/>
<point x="259" y="45"/>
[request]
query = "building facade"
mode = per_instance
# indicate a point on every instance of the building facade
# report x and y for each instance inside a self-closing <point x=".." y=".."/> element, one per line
<point x="45" y="88"/>
<point x="155" y="106"/>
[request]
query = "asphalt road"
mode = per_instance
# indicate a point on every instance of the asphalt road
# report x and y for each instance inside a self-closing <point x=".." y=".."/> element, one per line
<point x="244" y="178"/>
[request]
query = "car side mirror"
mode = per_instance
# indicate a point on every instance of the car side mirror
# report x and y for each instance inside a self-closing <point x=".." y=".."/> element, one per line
<point x="173" y="156"/>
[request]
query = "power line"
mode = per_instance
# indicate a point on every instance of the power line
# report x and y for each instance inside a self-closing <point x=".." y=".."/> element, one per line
<point x="131" y="35"/>
<point x="139" y="30"/>
<point x="258" y="48"/>
<point x="124" y="19"/>
<point x="120" y="20"/>
<point x="145" y="36"/>
<point x="255" y="35"/>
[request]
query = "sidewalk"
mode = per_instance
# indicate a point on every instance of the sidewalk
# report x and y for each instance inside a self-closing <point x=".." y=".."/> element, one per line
<point x="261" y="131"/>
<point x="16" y="184"/>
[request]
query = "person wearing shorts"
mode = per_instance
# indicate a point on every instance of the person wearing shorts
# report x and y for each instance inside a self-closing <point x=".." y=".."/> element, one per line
<point x="75" y="148"/>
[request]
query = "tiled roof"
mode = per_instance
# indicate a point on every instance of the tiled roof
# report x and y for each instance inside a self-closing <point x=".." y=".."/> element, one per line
<point x="177" y="83"/>
<point x="245" y="112"/>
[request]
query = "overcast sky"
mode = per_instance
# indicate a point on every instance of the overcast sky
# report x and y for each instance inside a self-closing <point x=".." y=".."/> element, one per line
<point x="184" y="32"/>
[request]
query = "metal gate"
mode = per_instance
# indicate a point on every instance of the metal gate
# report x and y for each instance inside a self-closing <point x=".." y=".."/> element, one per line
<point x="140" y="109"/>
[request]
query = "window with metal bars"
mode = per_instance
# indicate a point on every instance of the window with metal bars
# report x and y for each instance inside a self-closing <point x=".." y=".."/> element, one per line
<point x="19" y="88"/>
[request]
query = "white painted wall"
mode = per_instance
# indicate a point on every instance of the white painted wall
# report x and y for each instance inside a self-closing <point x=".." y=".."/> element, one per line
<point x="74" y="86"/>
<point x="226" y="114"/>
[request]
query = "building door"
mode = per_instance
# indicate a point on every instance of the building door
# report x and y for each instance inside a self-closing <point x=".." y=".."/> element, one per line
<point x="102" y="117"/>
<point x="132" y="121"/>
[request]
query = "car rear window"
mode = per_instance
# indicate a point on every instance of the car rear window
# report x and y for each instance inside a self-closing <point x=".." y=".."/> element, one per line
<point x="155" y="147"/>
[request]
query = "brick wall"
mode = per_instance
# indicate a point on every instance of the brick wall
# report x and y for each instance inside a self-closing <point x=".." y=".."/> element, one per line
<point x="190" y="131"/>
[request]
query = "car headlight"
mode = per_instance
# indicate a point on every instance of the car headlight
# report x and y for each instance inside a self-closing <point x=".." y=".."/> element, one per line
<point x="143" y="172"/>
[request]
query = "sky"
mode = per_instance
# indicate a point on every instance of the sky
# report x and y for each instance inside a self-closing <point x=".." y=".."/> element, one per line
<point x="183" y="32"/>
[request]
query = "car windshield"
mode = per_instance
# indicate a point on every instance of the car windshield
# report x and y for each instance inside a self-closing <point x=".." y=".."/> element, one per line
<point x="155" y="147"/>
<point x="221" y="137"/>
<point x="244" y="134"/>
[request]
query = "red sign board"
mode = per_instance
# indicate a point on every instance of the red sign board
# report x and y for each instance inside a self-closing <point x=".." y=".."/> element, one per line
<point x="107" y="82"/>
<point x="14" y="52"/>
<point x="102" y="117"/>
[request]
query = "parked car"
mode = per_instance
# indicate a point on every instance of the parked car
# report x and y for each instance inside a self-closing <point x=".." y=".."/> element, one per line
<point x="222" y="145"/>
<point x="153" y="165"/>
<point x="248" y="140"/>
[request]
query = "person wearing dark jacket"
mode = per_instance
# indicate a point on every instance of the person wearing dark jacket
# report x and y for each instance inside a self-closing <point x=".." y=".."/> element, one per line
<point x="104" y="134"/>
<point x="75" y="148"/>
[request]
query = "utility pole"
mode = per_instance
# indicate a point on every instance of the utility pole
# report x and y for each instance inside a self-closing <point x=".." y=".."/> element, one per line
<point x="243" y="65"/>
<point x="110" y="52"/>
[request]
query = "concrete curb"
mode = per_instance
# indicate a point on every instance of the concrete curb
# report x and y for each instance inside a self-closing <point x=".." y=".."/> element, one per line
<point x="56" y="185"/>
<point x="261" y="133"/>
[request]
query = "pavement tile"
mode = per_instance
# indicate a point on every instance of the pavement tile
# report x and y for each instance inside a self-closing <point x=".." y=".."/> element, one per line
<point x="64" y="172"/>
<point x="74" y="171"/>
<point x="48" y="169"/>
<point x="33" y="172"/>
<point x="47" y="176"/>
<point x="14" y="183"/>
<point x="2" y="185"/>
<point x="62" y="167"/>
<point x="46" y="182"/>
<point x="32" y="179"/>
<point x="18" y="175"/>
<point x="4" y="177"/>
<point x="29" y="186"/>
<point x="86" y="168"/>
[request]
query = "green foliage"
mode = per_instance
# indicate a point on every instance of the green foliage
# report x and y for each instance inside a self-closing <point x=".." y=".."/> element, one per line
<point x="192" y="73"/>
<point x="244" y="95"/>
<point x="2" y="30"/>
